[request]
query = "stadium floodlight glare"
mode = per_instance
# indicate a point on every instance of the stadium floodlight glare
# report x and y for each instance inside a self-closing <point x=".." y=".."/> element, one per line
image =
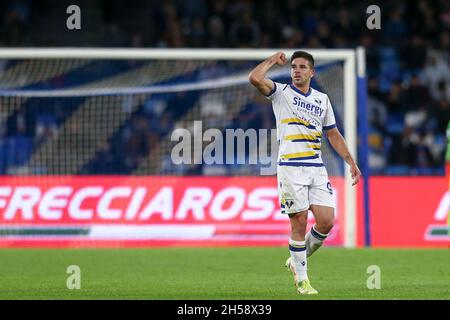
<point x="76" y="56"/>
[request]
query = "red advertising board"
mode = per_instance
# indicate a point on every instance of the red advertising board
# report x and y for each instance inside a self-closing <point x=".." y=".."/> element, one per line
<point x="121" y="211"/>
<point x="144" y="211"/>
<point x="409" y="211"/>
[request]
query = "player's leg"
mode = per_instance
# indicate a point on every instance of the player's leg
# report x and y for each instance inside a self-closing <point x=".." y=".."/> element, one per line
<point x="322" y="205"/>
<point x="315" y="237"/>
<point x="297" y="247"/>
<point x="297" y="263"/>
<point x="293" y="192"/>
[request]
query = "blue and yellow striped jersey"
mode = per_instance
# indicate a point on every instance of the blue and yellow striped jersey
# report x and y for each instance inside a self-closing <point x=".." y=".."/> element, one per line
<point x="300" y="119"/>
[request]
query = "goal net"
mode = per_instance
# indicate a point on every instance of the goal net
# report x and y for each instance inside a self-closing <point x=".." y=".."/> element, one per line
<point x="153" y="147"/>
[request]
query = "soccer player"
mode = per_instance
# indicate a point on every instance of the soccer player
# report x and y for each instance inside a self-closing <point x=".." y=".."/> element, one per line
<point x="302" y="114"/>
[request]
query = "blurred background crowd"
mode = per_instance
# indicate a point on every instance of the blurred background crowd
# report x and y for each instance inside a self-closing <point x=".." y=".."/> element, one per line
<point x="408" y="59"/>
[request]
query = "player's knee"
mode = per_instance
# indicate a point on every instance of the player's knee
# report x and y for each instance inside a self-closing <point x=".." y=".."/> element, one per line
<point x="329" y="226"/>
<point x="298" y="224"/>
<point x="325" y="226"/>
<point x="298" y="228"/>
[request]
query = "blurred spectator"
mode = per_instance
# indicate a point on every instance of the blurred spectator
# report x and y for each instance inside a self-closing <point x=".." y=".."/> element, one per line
<point x="216" y="33"/>
<point x="372" y="55"/>
<point x="394" y="101"/>
<point x="377" y="114"/>
<point x="195" y="9"/>
<point x="135" y="141"/>
<point x="428" y="19"/>
<point x="394" y="29"/>
<point x="106" y="162"/>
<point x="245" y="31"/>
<point x="436" y="72"/>
<point x="415" y="95"/>
<point x="274" y="23"/>
<point x="414" y="55"/>
<point x="377" y="156"/>
<point x="21" y="8"/>
<point x="443" y="91"/>
<point x="344" y="23"/>
<point x="197" y="33"/>
<point x="422" y="142"/>
<point x="402" y="149"/>
<point x="444" y="44"/>
<point x="442" y="114"/>
<point x="15" y="28"/>
<point x="173" y="36"/>
<point x="292" y="37"/>
<point x="46" y="128"/>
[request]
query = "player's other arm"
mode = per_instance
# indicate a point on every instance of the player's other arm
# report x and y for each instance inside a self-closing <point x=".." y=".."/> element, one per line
<point x="338" y="143"/>
<point x="257" y="76"/>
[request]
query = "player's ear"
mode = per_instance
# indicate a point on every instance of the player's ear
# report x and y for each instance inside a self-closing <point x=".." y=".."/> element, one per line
<point x="313" y="72"/>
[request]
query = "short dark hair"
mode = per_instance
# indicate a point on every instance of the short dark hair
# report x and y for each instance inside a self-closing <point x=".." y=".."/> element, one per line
<point x="304" y="55"/>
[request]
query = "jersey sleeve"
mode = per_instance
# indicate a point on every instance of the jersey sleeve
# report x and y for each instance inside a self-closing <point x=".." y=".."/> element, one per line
<point x="329" y="121"/>
<point x="274" y="96"/>
<point x="277" y="87"/>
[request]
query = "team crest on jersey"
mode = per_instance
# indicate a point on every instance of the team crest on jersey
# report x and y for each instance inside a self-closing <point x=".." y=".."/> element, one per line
<point x="287" y="203"/>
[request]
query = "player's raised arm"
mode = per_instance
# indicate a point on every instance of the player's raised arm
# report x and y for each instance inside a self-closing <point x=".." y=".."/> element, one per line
<point x="257" y="76"/>
<point x="338" y="143"/>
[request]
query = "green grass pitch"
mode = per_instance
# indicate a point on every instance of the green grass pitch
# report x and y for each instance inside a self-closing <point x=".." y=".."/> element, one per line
<point x="221" y="273"/>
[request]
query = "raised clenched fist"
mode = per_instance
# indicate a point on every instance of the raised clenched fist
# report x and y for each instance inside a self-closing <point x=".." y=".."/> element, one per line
<point x="280" y="58"/>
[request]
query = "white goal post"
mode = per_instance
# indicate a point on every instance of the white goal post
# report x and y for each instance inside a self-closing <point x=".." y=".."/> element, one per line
<point x="348" y="56"/>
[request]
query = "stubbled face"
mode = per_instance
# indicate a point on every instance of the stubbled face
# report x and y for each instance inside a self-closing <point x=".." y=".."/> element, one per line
<point x="301" y="72"/>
